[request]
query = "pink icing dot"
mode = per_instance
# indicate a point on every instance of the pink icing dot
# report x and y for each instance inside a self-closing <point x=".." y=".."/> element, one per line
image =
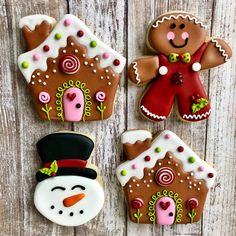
<point x="185" y="35"/>
<point x="135" y="166"/>
<point x="67" y="22"/>
<point x="105" y="55"/>
<point x="200" y="168"/>
<point x="36" y="57"/>
<point x="170" y="35"/>
<point x="167" y="136"/>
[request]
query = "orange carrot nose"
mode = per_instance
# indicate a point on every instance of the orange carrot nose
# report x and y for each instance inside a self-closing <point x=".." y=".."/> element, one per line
<point x="72" y="200"/>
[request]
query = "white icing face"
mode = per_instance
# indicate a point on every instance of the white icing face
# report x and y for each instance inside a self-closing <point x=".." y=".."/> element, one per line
<point x="69" y="200"/>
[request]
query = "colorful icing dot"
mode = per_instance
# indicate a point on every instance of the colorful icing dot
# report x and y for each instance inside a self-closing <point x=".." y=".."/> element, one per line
<point x="123" y="172"/>
<point x="25" y="64"/>
<point x="93" y="44"/>
<point x="116" y="62"/>
<point x="147" y="158"/>
<point x="191" y="159"/>
<point x="210" y="175"/>
<point x="167" y="136"/>
<point x="36" y="57"/>
<point x="201" y="168"/>
<point x="80" y="33"/>
<point x="46" y="48"/>
<point x="157" y="149"/>
<point x="135" y="166"/>
<point x="180" y="149"/>
<point x="67" y="22"/>
<point x="105" y="55"/>
<point x="57" y="36"/>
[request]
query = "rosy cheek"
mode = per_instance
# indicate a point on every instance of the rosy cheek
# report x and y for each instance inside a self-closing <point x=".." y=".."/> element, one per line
<point x="185" y="35"/>
<point x="170" y="35"/>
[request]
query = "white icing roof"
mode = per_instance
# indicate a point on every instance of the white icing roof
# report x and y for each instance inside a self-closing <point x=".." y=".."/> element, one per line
<point x="55" y="45"/>
<point x="132" y="136"/>
<point x="166" y="145"/>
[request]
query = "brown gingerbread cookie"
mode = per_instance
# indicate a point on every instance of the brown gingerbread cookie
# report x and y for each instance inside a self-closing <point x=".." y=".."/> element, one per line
<point x="72" y="75"/>
<point x="167" y="183"/>
<point x="183" y="49"/>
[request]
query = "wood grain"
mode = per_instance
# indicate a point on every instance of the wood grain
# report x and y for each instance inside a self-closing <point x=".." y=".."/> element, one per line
<point x="122" y="25"/>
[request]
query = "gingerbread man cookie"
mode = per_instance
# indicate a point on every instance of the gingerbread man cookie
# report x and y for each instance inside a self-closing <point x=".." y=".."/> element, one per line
<point x="72" y="75"/>
<point x="69" y="191"/>
<point x="164" y="181"/>
<point x="183" y="48"/>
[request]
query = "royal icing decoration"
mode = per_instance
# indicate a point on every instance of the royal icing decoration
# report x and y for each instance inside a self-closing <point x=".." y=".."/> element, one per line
<point x="165" y="182"/>
<point x="68" y="192"/>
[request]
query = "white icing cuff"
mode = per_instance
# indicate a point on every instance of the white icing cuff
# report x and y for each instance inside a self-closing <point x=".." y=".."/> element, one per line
<point x="132" y="136"/>
<point x="163" y="70"/>
<point x="196" y="66"/>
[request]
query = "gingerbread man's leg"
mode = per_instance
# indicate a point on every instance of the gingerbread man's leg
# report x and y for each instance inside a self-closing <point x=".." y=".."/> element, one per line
<point x="157" y="102"/>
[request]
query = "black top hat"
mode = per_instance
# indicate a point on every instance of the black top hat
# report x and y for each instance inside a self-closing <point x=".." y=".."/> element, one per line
<point x="70" y="151"/>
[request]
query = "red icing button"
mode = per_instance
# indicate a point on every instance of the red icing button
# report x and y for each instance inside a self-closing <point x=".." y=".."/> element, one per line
<point x="46" y="48"/>
<point x="147" y="158"/>
<point x="53" y="174"/>
<point x="210" y="175"/>
<point x="80" y="33"/>
<point x="180" y="149"/>
<point x="116" y="62"/>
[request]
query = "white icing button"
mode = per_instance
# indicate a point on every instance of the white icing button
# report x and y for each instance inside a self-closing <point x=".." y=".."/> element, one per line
<point x="134" y="180"/>
<point x="131" y="191"/>
<point x="33" y="76"/>
<point x="150" y="180"/>
<point x="106" y="70"/>
<point x="72" y="44"/>
<point x="138" y="185"/>
<point x="33" y="82"/>
<point x="113" y="75"/>
<point x="159" y="163"/>
<point x="169" y="162"/>
<point x="46" y="76"/>
<point x="91" y="64"/>
<point x="181" y="181"/>
<point x="198" y="189"/>
<point x="109" y="83"/>
<point x="54" y="61"/>
<point x="149" y="174"/>
<point x="148" y="185"/>
<point x="176" y="164"/>
<point x="152" y="171"/>
<point x="39" y="80"/>
<point x="76" y="50"/>
<point x="96" y="58"/>
<point x="101" y="77"/>
<point x="189" y="187"/>
<point x="83" y="55"/>
<point x="130" y="186"/>
<point x="38" y="74"/>
<point x="108" y="77"/>
<point x="86" y="63"/>
<point x="94" y="71"/>
<point x="44" y="83"/>
<point x="163" y="70"/>
<point x="54" y="71"/>
<point x="196" y="66"/>
<point x="178" y="174"/>
<point x="144" y="181"/>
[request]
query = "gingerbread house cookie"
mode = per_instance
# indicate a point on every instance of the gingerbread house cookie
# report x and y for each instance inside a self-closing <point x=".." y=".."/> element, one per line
<point x="164" y="181"/>
<point x="182" y="49"/>
<point x="71" y="74"/>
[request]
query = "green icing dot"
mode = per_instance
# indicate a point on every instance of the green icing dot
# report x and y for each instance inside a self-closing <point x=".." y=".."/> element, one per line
<point x="123" y="172"/>
<point x="93" y="44"/>
<point x="25" y="64"/>
<point x="57" y="36"/>
<point x="157" y="149"/>
<point x="191" y="159"/>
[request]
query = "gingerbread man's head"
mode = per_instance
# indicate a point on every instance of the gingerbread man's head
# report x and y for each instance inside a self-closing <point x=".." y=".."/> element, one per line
<point x="176" y="32"/>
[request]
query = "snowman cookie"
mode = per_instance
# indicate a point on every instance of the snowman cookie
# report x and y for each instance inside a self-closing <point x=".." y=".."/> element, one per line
<point x="71" y="74"/>
<point x="164" y="181"/>
<point x="69" y="190"/>
<point x="183" y="49"/>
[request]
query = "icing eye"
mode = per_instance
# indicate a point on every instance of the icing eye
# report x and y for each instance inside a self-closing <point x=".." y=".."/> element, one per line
<point x="182" y="26"/>
<point x="171" y="214"/>
<point x="78" y="186"/>
<point x="78" y="105"/>
<point x="58" y="187"/>
<point x="172" y="26"/>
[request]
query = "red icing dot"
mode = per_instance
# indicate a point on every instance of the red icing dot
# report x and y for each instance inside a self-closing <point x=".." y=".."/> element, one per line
<point x="80" y="33"/>
<point x="46" y="48"/>
<point x="53" y="174"/>
<point x="180" y="149"/>
<point x="210" y="175"/>
<point x="147" y="158"/>
<point x="116" y="62"/>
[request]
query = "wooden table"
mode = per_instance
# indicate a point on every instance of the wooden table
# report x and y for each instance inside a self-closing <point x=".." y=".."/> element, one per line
<point x="122" y="25"/>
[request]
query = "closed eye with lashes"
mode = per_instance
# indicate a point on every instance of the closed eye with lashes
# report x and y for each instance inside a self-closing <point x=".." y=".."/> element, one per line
<point x="59" y="188"/>
<point x="78" y="186"/>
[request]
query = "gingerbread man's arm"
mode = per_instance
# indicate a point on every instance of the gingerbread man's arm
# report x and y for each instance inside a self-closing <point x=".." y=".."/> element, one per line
<point x="144" y="69"/>
<point x="216" y="53"/>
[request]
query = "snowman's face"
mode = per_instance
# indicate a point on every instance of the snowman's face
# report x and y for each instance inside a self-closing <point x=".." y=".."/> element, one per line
<point x="69" y="200"/>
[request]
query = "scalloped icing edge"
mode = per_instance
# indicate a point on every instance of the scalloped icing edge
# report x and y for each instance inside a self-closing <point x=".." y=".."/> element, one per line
<point x="220" y="49"/>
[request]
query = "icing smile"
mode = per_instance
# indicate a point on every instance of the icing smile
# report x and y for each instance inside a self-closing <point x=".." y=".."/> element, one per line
<point x="178" y="46"/>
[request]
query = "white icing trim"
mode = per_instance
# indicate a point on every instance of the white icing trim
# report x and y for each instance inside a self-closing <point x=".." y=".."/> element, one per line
<point x="221" y="50"/>
<point x="191" y="18"/>
<point x="33" y="20"/>
<point x="132" y="136"/>
<point x="55" y="45"/>
<point x="166" y="145"/>
<point x="136" y="71"/>
<point x="196" y="117"/>
<point x="152" y="114"/>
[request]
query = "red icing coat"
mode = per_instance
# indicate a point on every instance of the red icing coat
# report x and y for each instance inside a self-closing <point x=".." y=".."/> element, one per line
<point x="157" y="102"/>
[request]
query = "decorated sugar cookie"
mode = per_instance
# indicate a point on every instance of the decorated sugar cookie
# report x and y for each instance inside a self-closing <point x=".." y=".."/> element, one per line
<point x="164" y="181"/>
<point x="69" y="190"/>
<point x="71" y="74"/>
<point x="183" y="49"/>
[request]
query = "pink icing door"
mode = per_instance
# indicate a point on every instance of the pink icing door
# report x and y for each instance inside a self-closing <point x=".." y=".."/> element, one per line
<point x="73" y="104"/>
<point x="165" y="211"/>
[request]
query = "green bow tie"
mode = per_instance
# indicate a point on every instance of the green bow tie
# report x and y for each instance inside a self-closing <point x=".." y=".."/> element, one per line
<point x="174" y="57"/>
